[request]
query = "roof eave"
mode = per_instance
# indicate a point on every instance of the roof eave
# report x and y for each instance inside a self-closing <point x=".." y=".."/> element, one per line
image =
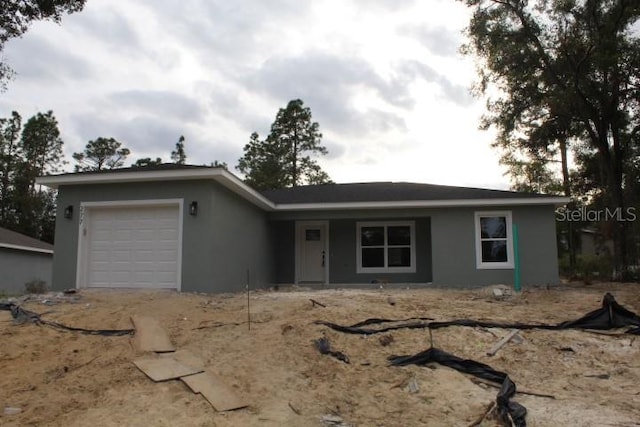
<point x="222" y="176"/>
<point x="26" y="248"/>
<point x="412" y="204"/>
<point x="54" y="181"/>
<point x="234" y="184"/>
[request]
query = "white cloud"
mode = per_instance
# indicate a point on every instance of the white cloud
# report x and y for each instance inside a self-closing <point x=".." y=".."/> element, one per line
<point x="384" y="80"/>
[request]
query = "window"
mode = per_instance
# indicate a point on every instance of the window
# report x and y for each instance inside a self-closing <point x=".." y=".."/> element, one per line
<point x="494" y="245"/>
<point x="386" y="247"/>
<point x="312" y="234"/>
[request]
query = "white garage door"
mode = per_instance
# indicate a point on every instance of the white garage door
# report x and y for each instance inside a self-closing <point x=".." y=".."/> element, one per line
<point x="133" y="247"/>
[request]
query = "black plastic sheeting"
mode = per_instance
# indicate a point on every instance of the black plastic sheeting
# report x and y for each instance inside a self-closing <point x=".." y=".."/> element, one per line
<point x="357" y="328"/>
<point x="610" y="316"/>
<point x="509" y="412"/>
<point x="20" y="315"/>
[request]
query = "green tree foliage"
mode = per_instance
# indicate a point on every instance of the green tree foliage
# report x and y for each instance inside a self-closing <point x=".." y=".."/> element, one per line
<point x="147" y="161"/>
<point x="41" y="146"/>
<point x="178" y="155"/>
<point x="530" y="173"/>
<point x="103" y="153"/>
<point x="559" y="72"/>
<point x="17" y="15"/>
<point x="261" y="164"/>
<point x="28" y="152"/>
<point x="217" y="164"/>
<point x="286" y="157"/>
<point x="10" y="129"/>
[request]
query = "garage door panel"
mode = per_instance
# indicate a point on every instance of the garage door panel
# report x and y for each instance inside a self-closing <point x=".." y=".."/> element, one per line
<point x="120" y="235"/>
<point x="166" y="224"/>
<point x="100" y="246"/>
<point x="165" y="255"/>
<point x="123" y="265"/>
<point x="101" y="240"/>
<point x="100" y="267"/>
<point x="144" y="278"/>
<point x="133" y="247"/>
<point x="143" y="255"/>
<point x="121" y="256"/>
<point x="106" y="278"/>
<point x="166" y="243"/>
<point x="141" y="265"/>
<point x="100" y="254"/>
<point x="144" y="235"/>
<point x="165" y="267"/>
<point x="169" y="235"/>
<point x="162" y="277"/>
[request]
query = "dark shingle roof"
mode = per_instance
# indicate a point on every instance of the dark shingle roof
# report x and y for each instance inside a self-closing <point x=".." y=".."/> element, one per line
<point x="331" y="195"/>
<point x="386" y="192"/>
<point x="11" y="239"/>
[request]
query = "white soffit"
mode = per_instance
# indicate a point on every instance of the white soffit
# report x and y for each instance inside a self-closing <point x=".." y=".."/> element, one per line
<point x="406" y="204"/>
<point x="25" y="248"/>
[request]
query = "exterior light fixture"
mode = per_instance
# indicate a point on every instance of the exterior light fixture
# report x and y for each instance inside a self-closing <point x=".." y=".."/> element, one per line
<point x="68" y="212"/>
<point x="193" y="208"/>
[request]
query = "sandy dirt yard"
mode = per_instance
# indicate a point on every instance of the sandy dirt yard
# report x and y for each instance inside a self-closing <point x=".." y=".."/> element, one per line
<point x="58" y="378"/>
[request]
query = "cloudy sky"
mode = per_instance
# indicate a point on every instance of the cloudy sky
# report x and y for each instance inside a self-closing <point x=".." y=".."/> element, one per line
<point x="383" y="78"/>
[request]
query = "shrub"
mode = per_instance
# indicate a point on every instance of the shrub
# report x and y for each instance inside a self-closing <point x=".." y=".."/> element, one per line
<point x="588" y="267"/>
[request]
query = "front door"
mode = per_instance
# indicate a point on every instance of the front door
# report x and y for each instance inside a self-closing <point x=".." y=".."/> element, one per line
<point x="312" y="253"/>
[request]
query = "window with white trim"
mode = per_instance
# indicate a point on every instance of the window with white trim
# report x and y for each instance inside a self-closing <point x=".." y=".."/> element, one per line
<point x="386" y="247"/>
<point x="494" y="240"/>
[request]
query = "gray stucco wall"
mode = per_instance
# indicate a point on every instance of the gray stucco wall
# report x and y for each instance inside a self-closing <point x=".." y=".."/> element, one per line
<point x="241" y="243"/>
<point x="452" y="250"/>
<point x="342" y="254"/>
<point x="228" y="236"/>
<point x="284" y="240"/>
<point x="454" y="253"/>
<point x="19" y="267"/>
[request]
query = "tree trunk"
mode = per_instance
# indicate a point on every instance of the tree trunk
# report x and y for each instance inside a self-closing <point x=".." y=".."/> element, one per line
<point x="611" y="167"/>
<point x="621" y="261"/>
<point x="295" y="156"/>
<point x="566" y="187"/>
<point x="567" y="192"/>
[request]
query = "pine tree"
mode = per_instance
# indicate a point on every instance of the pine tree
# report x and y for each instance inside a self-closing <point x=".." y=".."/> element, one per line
<point x="178" y="155"/>
<point x="286" y="158"/>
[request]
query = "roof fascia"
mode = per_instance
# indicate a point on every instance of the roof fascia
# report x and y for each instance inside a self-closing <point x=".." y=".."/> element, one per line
<point x="25" y="248"/>
<point x="556" y="201"/>
<point x="233" y="183"/>
<point x="54" y="181"/>
<point x="222" y="176"/>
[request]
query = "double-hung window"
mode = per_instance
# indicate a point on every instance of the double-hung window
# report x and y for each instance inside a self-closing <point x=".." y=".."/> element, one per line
<point x="494" y="240"/>
<point x="386" y="247"/>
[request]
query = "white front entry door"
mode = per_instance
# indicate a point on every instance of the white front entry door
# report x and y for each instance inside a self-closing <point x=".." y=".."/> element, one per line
<point x="312" y="252"/>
